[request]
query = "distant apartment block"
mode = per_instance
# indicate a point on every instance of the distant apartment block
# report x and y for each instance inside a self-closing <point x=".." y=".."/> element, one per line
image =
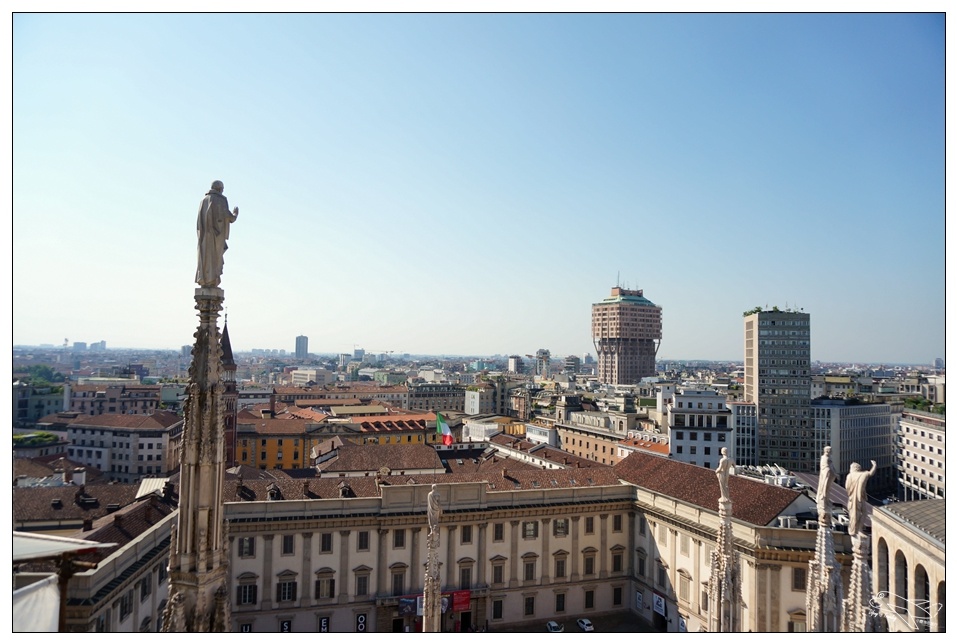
<point x="126" y="447"/>
<point x="114" y="398"/>
<point x="744" y="420"/>
<point x="543" y="363"/>
<point x="320" y="377"/>
<point x="626" y="330"/>
<point x="921" y="453"/>
<point x="594" y="435"/>
<point x="435" y="396"/>
<point x="30" y="403"/>
<point x="777" y="379"/>
<point x="516" y="364"/>
<point x="857" y="433"/>
<point x="699" y="423"/>
<point x="572" y="364"/>
<point x="394" y="394"/>
<point x="302" y="347"/>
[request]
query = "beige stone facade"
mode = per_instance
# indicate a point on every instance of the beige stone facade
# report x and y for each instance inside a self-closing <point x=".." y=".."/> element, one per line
<point x="528" y="547"/>
<point x="908" y="573"/>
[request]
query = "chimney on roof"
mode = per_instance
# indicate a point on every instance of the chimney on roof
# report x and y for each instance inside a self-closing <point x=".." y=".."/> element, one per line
<point x="168" y="490"/>
<point x="305" y="488"/>
<point x="59" y="475"/>
<point x="118" y="520"/>
<point x="87" y="524"/>
<point x="79" y="477"/>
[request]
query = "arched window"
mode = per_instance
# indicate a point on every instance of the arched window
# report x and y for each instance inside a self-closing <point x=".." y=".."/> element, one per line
<point x="882" y="565"/>
<point x="900" y="583"/>
<point x="941" y="607"/>
<point x="921" y="600"/>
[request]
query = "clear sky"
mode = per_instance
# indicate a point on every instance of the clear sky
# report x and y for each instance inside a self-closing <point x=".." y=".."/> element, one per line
<point x="472" y="184"/>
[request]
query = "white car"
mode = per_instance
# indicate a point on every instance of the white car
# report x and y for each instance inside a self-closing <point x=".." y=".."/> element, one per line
<point x="585" y="625"/>
<point x="554" y="627"/>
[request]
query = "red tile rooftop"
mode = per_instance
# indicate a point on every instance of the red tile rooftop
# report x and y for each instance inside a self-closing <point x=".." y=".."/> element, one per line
<point x="753" y="501"/>
<point x="156" y="420"/>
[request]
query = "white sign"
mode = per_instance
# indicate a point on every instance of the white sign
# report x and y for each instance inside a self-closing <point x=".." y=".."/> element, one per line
<point x="682" y="625"/>
<point x="659" y="604"/>
<point x="639" y="600"/>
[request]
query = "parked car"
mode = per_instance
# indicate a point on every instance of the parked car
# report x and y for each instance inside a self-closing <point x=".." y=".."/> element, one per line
<point x="585" y="625"/>
<point x="554" y="627"/>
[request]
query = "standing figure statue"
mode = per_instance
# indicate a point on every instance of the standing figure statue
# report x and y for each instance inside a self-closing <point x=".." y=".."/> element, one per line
<point x="435" y="510"/>
<point x="212" y="230"/>
<point x="723" y="472"/>
<point x="825" y="479"/>
<point x="856" y="486"/>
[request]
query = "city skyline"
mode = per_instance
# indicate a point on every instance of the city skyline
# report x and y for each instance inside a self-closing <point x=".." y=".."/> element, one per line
<point x="472" y="184"/>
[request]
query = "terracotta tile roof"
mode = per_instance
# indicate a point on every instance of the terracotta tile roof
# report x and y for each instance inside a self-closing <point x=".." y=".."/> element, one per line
<point x="326" y="402"/>
<point x="411" y="416"/>
<point x="42" y="466"/>
<point x="369" y="458"/>
<point x="35" y="504"/>
<point x="253" y="473"/>
<point x="299" y="488"/>
<point x="296" y="411"/>
<point x="515" y="442"/>
<point x="662" y="449"/>
<point x="126" y="524"/>
<point x="145" y="422"/>
<point x="563" y="458"/>
<point x="519" y="477"/>
<point x="482" y="461"/>
<point x="396" y="422"/>
<point x="530" y="479"/>
<point x="133" y="521"/>
<point x="273" y="426"/>
<point x="59" y="420"/>
<point x="30" y="467"/>
<point x="754" y="502"/>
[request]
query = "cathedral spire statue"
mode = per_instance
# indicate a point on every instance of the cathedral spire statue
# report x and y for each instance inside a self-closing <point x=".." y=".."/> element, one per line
<point x="198" y="583"/>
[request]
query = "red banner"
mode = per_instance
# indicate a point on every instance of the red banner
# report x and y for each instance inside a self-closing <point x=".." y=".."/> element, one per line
<point x="461" y="599"/>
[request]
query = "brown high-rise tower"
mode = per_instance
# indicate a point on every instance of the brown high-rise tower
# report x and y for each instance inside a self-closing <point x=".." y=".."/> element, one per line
<point x="626" y="329"/>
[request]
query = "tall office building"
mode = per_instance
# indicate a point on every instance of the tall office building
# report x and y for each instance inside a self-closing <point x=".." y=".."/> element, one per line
<point x="777" y="379"/>
<point x="302" y="347"/>
<point x="543" y="363"/>
<point x="626" y="330"/>
<point x="516" y="364"/>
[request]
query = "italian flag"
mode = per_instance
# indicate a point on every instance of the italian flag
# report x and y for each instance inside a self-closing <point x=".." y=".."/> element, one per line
<point x="442" y="429"/>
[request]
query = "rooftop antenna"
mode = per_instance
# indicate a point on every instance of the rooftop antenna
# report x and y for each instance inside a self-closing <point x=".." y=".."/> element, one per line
<point x="618" y="279"/>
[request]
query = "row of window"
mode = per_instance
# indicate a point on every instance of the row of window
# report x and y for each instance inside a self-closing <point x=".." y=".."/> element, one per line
<point x="530" y="529"/>
<point x="691" y="405"/>
<point x="680" y="435"/>
<point x="528" y="607"/>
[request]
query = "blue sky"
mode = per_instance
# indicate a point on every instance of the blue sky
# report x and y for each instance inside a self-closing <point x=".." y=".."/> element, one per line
<point x="471" y="184"/>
